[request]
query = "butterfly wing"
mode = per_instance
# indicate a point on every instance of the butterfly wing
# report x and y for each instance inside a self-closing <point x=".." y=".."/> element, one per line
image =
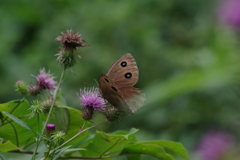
<point x="117" y="85"/>
<point x="112" y="93"/>
<point x="124" y="71"/>
<point x="133" y="97"/>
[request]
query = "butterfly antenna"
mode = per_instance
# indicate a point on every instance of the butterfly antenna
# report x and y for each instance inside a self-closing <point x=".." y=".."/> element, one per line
<point x="72" y="72"/>
<point x="96" y="81"/>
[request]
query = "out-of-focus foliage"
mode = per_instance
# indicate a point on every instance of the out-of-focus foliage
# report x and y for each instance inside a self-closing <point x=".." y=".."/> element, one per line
<point x="188" y="60"/>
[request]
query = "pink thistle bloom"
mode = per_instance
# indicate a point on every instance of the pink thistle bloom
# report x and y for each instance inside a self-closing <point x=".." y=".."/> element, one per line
<point x="45" y="80"/>
<point x="92" y="98"/>
<point x="19" y="82"/>
<point x="214" y="144"/>
<point x="229" y="13"/>
<point x="50" y="128"/>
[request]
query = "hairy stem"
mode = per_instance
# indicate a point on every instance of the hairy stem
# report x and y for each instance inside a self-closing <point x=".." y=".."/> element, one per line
<point x="38" y="138"/>
<point x="80" y="131"/>
<point x="54" y="99"/>
<point x="51" y="108"/>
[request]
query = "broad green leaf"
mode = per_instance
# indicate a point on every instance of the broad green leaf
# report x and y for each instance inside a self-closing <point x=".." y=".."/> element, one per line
<point x="105" y="144"/>
<point x="75" y="124"/>
<point x="123" y="133"/>
<point x="13" y="105"/>
<point x="134" y="156"/>
<point x="148" y="149"/>
<point x="84" y="142"/>
<point x="7" y="146"/>
<point x="175" y="147"/>
<point x="60" y="115"/>
<point x="18" y="121"/>
<point x="12" y="131"/>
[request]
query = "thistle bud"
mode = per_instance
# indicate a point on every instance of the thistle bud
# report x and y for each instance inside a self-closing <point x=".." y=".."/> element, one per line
<point x="21" y="88"/>
<point x="58" y="138"/>
<point x="50" y="129"/>
<point x="35" y="108"/>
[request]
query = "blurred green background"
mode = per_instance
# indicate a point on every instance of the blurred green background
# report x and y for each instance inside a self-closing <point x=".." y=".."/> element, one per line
<point x="188" y="59"/>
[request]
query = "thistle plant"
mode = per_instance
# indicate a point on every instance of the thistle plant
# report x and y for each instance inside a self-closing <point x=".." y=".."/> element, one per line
<point x="91" y="101"/>
<point x="49" y="129"/>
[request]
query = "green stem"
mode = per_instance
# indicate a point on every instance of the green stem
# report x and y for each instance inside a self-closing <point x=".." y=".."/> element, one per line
<point x="49" y="149"/>
<point x="54" y="99"/>
<point x="79" y="132"/>
<point x="15" y="131"/>
<point x="53" y="102"/>
<point x="38" y="138"/>
<point x="50" y="111"/>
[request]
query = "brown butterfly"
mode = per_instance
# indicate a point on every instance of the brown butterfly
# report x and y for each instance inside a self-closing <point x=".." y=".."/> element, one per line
<point x="117" y="85"/>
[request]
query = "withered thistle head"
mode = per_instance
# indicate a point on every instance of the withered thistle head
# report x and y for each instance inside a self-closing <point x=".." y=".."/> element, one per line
<point x="113" y="114"/>
<point x="68" y="51"/>
<point x="46" y="104"/>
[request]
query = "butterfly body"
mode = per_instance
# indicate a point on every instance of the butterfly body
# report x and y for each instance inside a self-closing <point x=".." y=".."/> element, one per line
<point x="117" y="85"/>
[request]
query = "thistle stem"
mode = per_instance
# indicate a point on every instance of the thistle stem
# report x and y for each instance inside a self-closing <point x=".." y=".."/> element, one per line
<point x="51" y="108"/>
<point x="38" y="138"/>
<point x="54" y="99"/>
<point x="79" y="132"/>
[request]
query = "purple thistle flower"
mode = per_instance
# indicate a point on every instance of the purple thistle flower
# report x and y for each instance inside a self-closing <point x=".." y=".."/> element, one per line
<point x="45" y="80"/>
<point x="229" y="13"/>
<point x="91" y="100"/>
<point x="214" y="144"/>
<point x="50" y="129"/>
